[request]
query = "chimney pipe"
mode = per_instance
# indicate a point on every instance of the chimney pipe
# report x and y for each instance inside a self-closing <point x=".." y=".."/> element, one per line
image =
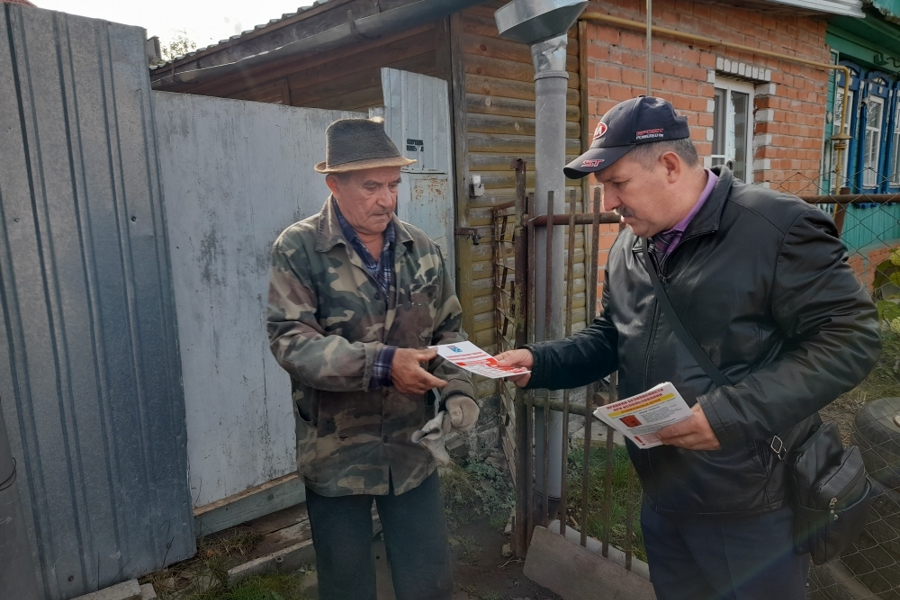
<point x="542" y="24"/>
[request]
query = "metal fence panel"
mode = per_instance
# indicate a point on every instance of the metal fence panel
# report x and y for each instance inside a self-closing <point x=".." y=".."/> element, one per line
<point x="235" y="174"/>
<point x="89" y="370"/>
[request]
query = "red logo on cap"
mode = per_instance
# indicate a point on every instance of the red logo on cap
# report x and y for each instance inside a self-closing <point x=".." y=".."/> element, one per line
<point x="601" y="129"/>
<point x="592" y="162"/>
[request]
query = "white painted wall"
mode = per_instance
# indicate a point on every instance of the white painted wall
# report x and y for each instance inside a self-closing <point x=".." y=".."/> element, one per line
<point x="235" y="174"/>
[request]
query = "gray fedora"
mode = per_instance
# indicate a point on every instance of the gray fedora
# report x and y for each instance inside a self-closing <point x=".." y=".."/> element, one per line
<point x="357" y="144"/>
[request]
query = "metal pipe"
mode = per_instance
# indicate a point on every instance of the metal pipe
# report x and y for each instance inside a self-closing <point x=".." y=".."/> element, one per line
<point x="543" y="25"/>
<point x="18" y="578"/>
<point x="550" y="87"/>
<point x="839" y="139"/>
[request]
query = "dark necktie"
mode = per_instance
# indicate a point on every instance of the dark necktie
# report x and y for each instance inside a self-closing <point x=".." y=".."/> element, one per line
<point x="663" y="239"/>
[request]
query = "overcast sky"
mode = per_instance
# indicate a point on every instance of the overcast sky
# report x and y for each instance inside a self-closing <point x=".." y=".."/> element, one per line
<point x="204" y="21"/>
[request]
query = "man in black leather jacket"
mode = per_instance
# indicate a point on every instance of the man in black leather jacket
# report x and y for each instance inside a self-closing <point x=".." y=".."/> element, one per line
<point x="761" y="281"/>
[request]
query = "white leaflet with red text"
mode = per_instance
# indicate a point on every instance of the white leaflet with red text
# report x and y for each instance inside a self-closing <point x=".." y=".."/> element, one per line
<point x="472" y="358"/>
<point x="639" y="417"/>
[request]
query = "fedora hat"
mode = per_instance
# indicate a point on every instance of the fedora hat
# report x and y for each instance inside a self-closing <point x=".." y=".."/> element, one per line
<point x="357" y="144"/>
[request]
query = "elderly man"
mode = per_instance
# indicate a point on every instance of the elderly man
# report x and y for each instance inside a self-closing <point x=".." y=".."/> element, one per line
<point x="760" y="279"/>
<point x="355" y="299"/>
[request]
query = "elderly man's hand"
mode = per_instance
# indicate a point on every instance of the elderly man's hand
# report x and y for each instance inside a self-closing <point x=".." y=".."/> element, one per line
<point x="517" y="358"/>
<point x="407" y="373"/>
<point x="694" y="433"/>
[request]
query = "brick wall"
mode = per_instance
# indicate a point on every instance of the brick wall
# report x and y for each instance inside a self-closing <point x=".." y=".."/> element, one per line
<point x="790" y="99"/>
<point x="865" y="260"/>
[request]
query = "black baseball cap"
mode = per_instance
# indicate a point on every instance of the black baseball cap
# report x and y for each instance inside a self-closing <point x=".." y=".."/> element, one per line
<point x="641" y="120"/>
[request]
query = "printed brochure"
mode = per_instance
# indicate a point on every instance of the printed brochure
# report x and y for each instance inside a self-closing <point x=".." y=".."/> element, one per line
<point x="472" y="358"/>
<point x="639" y="417"/>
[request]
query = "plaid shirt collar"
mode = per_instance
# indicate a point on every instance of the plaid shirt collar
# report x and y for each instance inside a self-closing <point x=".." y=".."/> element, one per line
<point x="382" y="270"/>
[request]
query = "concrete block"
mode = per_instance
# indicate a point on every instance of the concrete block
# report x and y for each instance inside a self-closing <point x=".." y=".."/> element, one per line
<point x="127" y="590"/>
<point x="147" y="592"/>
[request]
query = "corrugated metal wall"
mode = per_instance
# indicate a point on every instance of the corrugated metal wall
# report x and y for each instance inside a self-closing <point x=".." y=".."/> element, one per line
<point x="499" y="83"/>
<point x="89" y="371"/>
<point x="235" y="175"/>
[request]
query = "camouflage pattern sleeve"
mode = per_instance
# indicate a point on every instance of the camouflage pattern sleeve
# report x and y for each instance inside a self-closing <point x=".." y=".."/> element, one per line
<point x="319" y="361"/>
<point x="449" y="331"/>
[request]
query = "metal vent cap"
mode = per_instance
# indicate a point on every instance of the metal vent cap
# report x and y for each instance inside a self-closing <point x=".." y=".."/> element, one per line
<point x="531" y="21"/>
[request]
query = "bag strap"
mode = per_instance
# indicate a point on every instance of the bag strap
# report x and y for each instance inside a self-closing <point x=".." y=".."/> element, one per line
<point x="708" y="366"/>
<point x="711" y="370"/>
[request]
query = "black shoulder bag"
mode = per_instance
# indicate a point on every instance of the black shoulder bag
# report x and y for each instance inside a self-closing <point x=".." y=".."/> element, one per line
<point x="828" y="491"/>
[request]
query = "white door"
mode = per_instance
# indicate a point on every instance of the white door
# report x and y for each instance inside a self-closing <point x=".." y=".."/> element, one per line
<point x="417" y="119"/>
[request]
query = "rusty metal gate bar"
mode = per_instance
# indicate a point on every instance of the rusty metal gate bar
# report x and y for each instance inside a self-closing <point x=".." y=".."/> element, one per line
<point x="514" y="295"/>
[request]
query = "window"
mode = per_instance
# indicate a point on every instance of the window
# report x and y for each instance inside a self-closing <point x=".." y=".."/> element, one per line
<point x="872" y="141"/>
<point x="733" y="126"/>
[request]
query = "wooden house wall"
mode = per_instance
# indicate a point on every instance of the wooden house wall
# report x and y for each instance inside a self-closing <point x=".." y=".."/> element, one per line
<point x="499" y="127"/>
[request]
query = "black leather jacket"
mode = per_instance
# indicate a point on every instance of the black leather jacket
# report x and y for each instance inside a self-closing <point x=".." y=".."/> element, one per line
<point x="761" y="280"/>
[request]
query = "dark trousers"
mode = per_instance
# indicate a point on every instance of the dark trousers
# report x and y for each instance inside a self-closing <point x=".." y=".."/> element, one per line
<point x="697" y="558"/>
<point x="415" y="536"/>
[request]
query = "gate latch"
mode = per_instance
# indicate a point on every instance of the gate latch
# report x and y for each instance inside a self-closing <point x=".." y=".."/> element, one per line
<point x="468" y="232"/>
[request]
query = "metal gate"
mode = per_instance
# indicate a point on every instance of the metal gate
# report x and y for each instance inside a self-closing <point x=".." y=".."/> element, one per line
<point x="513" y="230"/>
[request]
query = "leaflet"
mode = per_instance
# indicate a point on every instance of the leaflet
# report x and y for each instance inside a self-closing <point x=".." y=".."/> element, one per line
<point x="472" y="358"/>
<point x="639" y="417"/>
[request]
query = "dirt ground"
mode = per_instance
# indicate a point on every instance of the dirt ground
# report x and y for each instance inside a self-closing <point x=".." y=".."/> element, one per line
<point x="483" y="572"/>
<point x="477" y="537"/>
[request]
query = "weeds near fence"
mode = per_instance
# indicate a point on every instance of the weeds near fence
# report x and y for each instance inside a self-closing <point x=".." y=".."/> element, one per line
<point x="271" y="586"/>
<point x="620" y="500"/>
<point x="205" y="576"/>
<point x="478" y="488"/>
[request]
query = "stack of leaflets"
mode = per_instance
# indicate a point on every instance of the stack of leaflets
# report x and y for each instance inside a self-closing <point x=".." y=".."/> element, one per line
<point x="638" y="418"/>
<point x="472" y="358"/>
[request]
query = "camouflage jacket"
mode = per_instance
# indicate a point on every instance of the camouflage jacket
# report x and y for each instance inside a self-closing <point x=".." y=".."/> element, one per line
<point x="327" y="321"/>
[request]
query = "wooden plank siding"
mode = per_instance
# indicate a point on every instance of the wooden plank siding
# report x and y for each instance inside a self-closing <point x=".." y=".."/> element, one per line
<point x="500" y="126"/>
<point x="344" y="79"/>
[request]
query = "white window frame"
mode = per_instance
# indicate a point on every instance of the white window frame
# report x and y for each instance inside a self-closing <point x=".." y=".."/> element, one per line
<point x="872" y="142"/>
<point x="726" y="86"/>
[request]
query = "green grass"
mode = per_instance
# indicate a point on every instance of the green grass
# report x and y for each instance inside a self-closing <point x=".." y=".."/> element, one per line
<point x="620" y="498"/>
<point x="205" y="576"/>
<point x="477" y="488"/>
<point x="271" y="586"/>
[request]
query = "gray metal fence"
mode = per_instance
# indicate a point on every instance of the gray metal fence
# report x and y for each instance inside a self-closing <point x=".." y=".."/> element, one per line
<point x="89" y="369"/>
